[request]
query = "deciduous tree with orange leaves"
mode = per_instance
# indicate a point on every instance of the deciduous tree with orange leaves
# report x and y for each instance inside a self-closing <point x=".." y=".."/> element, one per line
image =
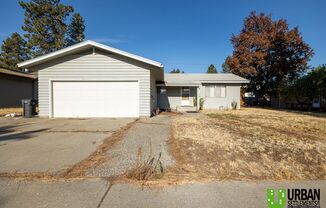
<point x="266" y="52"/>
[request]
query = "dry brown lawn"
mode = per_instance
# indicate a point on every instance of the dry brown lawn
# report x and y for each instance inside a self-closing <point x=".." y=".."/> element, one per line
<point x="248" y="144"/>
<point x="5" y="111"/>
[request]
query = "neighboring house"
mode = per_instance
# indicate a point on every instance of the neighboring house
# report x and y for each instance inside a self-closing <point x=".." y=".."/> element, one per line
<point x="94" y="80"/>
<point x="15" y="86"/>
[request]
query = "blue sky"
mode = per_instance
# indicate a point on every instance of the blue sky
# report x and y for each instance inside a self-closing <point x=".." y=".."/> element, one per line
<point x="183" y="34"/>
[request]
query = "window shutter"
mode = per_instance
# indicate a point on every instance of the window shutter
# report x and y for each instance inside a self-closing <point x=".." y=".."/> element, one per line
<point x="223" y="91"/>
<point x="211" y="91"/>
<point x="207" y="91"/>
<point x="217" y="91"/>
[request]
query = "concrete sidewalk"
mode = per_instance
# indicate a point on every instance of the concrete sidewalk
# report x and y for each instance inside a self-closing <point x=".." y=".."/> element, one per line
<point x="78" y="193"/>
<point x="100" y="193"/>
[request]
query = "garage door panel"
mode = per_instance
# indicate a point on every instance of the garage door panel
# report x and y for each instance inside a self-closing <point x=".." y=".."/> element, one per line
<point x="95" y="99"/>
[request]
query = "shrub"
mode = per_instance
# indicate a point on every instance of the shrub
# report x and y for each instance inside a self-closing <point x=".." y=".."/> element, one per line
<point x="201" y="103"/>
<point x="234" y="105"/>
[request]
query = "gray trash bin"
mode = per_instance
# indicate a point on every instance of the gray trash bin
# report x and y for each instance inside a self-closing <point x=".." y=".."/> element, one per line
<point x="29" y="107"/>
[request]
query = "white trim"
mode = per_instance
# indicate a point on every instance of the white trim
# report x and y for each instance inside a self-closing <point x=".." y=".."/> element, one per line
<point x="225" y="82"/>
<point x="86" y="43"/>
<point x="85" y="80"/>
<point x="177" y="85"/>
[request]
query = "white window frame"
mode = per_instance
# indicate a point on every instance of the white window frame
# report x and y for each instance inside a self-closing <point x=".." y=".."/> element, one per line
<point x="210" y="91"/>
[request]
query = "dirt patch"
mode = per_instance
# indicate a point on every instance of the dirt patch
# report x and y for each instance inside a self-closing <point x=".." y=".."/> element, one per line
<point x="249" y="144"/>
<point x="170" y="113"/>
<point x="5" y="111"/>
<point x="30" y="176"/>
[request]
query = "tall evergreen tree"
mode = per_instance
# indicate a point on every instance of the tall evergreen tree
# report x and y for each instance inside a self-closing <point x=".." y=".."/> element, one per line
<point x="13" y="51"/>
<point x="76" y="30"/>
<point x="225" y="66"/>
<point x="176" y="71"/>
<point x="45" y="24"/>
<point x="211" y="69"/>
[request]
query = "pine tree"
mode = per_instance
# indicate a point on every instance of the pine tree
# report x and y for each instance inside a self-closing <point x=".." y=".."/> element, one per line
<point x="176" y="71"/>
<point x="45" y="24"/>
<point x="76" y="30"/>
<point x="13" y="51"/>
<point x="211" y="69"/>
<point x="225" y="66"/>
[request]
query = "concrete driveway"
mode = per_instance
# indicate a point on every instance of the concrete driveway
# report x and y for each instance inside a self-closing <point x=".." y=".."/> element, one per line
<point x="148" y="135"/>
<point x="51" y="145"/>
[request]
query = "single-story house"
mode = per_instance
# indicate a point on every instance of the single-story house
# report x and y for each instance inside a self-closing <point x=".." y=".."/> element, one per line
<point x="90" y="79"/>
<point x="15" y="86"/>
<point x="217" y="91"/>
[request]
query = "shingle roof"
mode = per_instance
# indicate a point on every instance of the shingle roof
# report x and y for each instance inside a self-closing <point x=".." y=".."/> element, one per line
<point x="197" y="79"/>
<point x="17" y="73"/>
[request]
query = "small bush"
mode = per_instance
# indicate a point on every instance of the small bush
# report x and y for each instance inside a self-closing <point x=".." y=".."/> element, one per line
<point x="201" y="103"/>
<point x="234" y="105"/>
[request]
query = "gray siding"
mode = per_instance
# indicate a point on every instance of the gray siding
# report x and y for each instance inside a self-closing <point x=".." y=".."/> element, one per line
<point x="232" y="94"/>
<point x="98" y="66"/>
<point x="172" y="98"/>
<point x="13" y="89"/>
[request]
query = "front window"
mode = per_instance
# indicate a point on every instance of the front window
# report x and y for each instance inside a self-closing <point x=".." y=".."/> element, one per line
<point x="185" y="93"/>
<point x="218" y="91"/>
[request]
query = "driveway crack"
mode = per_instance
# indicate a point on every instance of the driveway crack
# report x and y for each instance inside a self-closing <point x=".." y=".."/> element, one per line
<point x="104" y="195"/>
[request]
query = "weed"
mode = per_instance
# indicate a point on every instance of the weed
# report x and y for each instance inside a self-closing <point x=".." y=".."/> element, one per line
<point x="146" y="169"/>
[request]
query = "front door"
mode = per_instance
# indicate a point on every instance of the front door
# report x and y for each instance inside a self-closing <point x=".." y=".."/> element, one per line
<point x="185" y="95"/>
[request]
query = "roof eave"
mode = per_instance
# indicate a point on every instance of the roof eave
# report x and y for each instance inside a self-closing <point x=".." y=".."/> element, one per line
<point x="17" y="74"/>
<point x="225" y="81"/>
<point x="81" y="45"/>
<point x="177" y="85"/>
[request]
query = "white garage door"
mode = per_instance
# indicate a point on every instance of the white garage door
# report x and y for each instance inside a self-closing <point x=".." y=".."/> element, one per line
<point x="95" y="99"/>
